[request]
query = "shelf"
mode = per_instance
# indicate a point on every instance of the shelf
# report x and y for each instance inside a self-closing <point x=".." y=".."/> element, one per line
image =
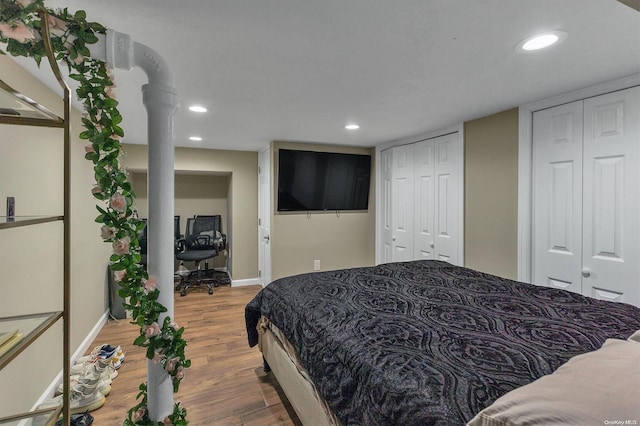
<point x="15" y="108"/>
<point x="46" y="417"/>
<point x="30" y="326"/>
<point x="17" y="221"/>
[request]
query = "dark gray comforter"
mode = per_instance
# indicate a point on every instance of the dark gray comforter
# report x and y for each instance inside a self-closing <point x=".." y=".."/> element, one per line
<point x="428" y="343"/>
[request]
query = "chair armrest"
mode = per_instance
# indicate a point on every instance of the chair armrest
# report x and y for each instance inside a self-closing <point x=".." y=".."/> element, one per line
<point x="180" y="245"/>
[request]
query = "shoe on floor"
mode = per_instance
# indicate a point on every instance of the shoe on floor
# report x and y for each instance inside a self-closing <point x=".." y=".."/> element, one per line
<point x="102" y="351"/>
<point x="115" y="357"/>
<point x="100" y="369"/>
<point x="101" y="384"/>
<point x="81" y="399"/>
<point x="84" y="419"/>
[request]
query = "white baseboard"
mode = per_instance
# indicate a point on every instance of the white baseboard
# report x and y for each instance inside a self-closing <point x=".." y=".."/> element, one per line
<point x="249" y="281"/>
<point x="51" y="389"/>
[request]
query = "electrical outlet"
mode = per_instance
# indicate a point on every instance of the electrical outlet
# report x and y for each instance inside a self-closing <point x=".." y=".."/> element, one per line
<point x="316" y="265"/>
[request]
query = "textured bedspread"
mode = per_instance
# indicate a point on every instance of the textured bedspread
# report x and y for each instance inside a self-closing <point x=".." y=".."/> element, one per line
<point x="428" y="343"/>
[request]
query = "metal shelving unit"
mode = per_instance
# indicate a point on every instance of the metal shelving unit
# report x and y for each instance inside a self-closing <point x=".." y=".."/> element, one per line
<point x="24" y="111"/>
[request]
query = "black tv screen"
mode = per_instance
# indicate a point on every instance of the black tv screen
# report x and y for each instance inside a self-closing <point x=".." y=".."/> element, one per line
<point x="309" y="180"/>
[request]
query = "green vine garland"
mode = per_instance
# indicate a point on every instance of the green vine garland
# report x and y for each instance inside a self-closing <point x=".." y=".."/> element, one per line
<point x="70" y="34"/>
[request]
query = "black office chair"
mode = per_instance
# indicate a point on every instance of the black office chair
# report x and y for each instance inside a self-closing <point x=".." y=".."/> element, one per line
<point x="221" y="277"/>
<point x="142" y="239"/>
<point x="200" y="243"/>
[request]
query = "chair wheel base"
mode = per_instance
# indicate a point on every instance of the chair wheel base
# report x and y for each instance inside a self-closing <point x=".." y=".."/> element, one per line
<point x="210" y="291"/>
<point x="183" y="293"/>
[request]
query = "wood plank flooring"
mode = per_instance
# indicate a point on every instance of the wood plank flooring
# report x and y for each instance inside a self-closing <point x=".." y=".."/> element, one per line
<point x="225" y="384"/>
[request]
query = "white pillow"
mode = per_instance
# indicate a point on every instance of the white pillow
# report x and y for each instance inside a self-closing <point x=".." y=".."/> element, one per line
<point x="596" y="388"/>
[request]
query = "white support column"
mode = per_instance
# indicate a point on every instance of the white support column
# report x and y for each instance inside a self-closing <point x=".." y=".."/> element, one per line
<point x="161" y="102"/>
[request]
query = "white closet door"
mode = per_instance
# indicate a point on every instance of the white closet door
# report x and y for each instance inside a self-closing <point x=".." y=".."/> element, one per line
<point x="386" y="162"/>
<point x="423" y="221"/>
<point x="402" y="202"/>
<point x="557" y="192"/>
<point x="447" y="158"/>
<point x="611" y="242"/>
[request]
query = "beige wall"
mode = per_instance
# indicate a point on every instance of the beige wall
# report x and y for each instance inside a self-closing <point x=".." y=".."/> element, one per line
<point x="31" y="261"/>
<point x="343" y="241"/>
<point x="203" y="194"/>
<point x="242" y="200"/>
<point x="491" y="194"/>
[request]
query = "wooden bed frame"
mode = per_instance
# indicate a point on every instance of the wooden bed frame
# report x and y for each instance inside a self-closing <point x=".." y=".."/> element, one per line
<point x="279" y="354"/>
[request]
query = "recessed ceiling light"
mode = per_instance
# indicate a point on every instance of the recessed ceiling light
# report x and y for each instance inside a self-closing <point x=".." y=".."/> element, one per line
<point x="197" y="108"/>
<point x="352" y="127"/>
<point x="195" y="138"/>
<point x="541" y="41"/>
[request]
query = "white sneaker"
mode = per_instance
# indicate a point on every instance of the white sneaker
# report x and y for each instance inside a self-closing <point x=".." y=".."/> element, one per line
<point x="92" y="378"/>
<point x="102" y="352"/>
<point x="81" y="399"/>
<point x="85" y="363"/>
<point x="101" y="367"/>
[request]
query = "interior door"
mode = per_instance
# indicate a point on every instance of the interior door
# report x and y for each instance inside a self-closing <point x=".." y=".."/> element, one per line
<point x="447" y="151"/>
<point x="264" y="216"/>
<point x="557" y="192"/>
<point x="611" y="242"/>
<point x="424" y="199"/>
<point x="402" y="203"/>
<point x="386" y="163"/>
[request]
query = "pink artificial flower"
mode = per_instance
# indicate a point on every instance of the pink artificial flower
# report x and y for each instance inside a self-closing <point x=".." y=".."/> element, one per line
<point x="121" y="247"/>
<point x="150" y="283"/>
<point x="118" y="202"/>
<point x="174" y="325"/>
<point x="109" y="91"/>
<point x="96" y="189"/>
<point x="20" y="33"/>
<point x="139" y="414"/>
<point x="179" y="374"/>
<point x="152" y="330"/>
<point x="171" y="364"/>
<point x="57" y="26"/>
<point x="158" y="357"/>
<point x="119" y="275"/>
<point x="24" y="3"/>
<point x="167" y="422"/>
<point x="89" y="149"/>
<point x="106" y="232"/>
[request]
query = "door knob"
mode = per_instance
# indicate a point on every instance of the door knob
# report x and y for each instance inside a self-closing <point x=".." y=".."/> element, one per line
<point x="393" y="239"/>
<point x="586" y="272"/>
<point x="432" y="245"/>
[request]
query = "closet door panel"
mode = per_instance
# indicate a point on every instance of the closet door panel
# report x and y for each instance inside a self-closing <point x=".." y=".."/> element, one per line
<point x="448" y="153"/>
<point x="386" y="162"/>
<point x="424" y="239"/>
<point x="557" y="191"/>
<point x="611" y="241"/>
<point x="402" y="201"/>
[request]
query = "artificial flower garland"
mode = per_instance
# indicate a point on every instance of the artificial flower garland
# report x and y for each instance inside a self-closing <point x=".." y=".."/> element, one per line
<point x="70" y="33"/>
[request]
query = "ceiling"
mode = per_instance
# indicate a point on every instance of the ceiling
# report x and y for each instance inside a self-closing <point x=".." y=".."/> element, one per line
<point x="301" y="69"/>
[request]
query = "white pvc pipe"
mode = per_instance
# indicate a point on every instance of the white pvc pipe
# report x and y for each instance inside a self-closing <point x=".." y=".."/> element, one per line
<point x="161" y="102"/>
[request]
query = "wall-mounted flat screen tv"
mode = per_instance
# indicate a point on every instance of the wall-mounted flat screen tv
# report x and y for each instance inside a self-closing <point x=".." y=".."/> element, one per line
<point x="310" y="180"/>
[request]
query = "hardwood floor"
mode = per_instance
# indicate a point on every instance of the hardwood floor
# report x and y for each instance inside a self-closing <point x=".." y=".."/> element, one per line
<point x="225" y="384"/>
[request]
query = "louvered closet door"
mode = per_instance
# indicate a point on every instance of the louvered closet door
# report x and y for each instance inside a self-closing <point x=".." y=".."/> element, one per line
<point x="611" y="238"/>
<point x="402" y="203"/>
<point x="386" y="162"/>
<point x="557" y="192"/>
<point x="424" y="199"/>
<point x="447" y="158"/>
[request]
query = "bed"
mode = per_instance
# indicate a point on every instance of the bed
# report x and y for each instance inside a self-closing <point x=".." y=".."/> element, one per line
<point x="420" y="343"/>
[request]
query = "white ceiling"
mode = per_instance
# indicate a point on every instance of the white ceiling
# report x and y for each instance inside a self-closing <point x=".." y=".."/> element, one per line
<point x="302" y="69"/>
